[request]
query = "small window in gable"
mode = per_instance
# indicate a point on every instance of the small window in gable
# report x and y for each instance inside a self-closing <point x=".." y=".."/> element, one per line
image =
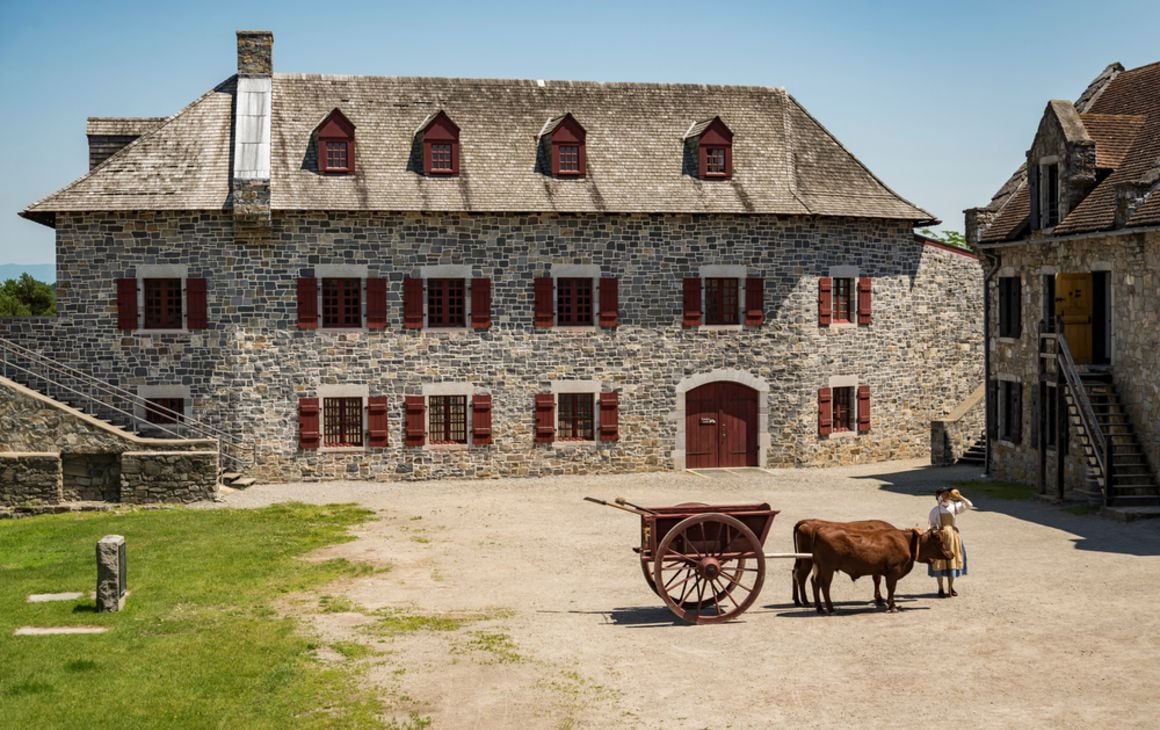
<point x="335" y="137"/>
<point x="440" y="139"/>
<point x="711" y="141"/>
<point x="565" y="138"/>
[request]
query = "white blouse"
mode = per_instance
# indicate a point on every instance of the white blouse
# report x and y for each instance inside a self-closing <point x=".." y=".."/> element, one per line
<point x="948" y="507"/>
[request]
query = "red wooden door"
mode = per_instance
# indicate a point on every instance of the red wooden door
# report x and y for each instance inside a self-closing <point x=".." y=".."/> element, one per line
<point x="720" y="426"/>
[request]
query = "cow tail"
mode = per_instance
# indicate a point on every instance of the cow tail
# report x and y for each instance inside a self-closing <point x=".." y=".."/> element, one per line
<point x="915" y="544"/>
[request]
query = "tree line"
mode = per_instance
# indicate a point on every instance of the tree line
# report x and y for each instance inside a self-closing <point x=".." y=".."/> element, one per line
<point x="27" y="297"/>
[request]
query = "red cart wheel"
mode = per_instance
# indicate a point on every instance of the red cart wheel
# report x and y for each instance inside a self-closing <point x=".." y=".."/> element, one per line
<point x="709" y="568"/>
<point x="646" y="567"/>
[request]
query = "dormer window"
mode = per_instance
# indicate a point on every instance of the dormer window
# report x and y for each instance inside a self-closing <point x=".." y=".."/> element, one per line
<point x="565" y="139"/>
<point x="440" y="139"/>
<point x="1051" y="205"/>
<point x="711" y="141"/>
<point x="335" y="137"/>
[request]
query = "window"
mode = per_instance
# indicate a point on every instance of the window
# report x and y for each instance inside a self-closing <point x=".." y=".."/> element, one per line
<point x="446" y="303"/>
<point x="1051" y="191"/>
<point x="721" y="301"/>
<point x="1010" y="307"/>
<point x="1010" y="411"/>
<point x="342" y="422"/>
<point x="440" y="141"/>
<point x="447" y="422"/>
<point x="709" y="146"/>
<point x="162" y="304"/>
<point x="441" y="157"/>
<point x="1049" y="302"/>
<point x="843" y="410"/>
<point x="569" y="159"/>
<point x="335" y="136"/>
<point x="341" y="302"/>
<point x="574" y="302"/>
<point x="714" y="160"/>
<point x="843" y="296"/>
<point x="164" y="410"/>
<point x="336" y="156"/>
<point x="575" y="417"/>
<point x="565" y="138"/>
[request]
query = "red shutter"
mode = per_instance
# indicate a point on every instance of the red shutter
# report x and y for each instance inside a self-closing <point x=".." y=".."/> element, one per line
<point x="195" y="307"/>
<point x="609" y="302"/>
<point x="692" y="316"/>
<point x="481" y="419"/>
<point x="609" y="416"/>
<point x="308" y="430"/>
<point x="377" y="421"/>
<point x="864" y="289"/>
<point x="543" y="302"/>
<point x="825" y="412"/>
<point x="863" y="408"/>
<point x="307" y="303"/>
<point x="377" y="304"/>
<point x="480" y="304"/>
<point x="825" y="301"/>
<point x="754" y="301"/>
<point x="414" y="416"/>
<point x="412" y="304"/>
<point x="545" y="418"/>
<point x="126" y="304"/>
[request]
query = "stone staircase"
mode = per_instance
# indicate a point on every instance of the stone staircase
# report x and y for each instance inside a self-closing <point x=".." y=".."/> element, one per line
<point x="1133" y="483"/>
<point x="976" y="453"/>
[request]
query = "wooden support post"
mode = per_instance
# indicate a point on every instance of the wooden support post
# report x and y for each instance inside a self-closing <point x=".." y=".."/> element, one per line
<point x="1061" y="434"/>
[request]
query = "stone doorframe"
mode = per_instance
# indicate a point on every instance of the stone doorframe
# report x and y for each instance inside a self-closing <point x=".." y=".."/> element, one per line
<point x="729" y="375"/>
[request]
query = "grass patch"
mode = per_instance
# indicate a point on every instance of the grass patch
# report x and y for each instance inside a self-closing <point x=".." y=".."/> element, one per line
<point x="393" y="621"/>
<point x="338" y="604"/>
<point x="495" y="643"/>
<point x="1080" y="509"/>
<point x="420" y="539"/>
<point x="199" y="643"/>
<point x="997" y="489"/>
<point x="352" y="649"/>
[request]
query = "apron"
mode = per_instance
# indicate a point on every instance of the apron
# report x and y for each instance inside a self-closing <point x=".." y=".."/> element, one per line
<point x="958" y="563"/>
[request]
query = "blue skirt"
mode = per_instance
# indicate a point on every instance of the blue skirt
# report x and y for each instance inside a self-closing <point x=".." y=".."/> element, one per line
<point x="950" y="572"/>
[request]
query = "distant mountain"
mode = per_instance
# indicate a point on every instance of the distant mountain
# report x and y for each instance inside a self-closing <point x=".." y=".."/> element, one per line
<point x="41" y="272"/>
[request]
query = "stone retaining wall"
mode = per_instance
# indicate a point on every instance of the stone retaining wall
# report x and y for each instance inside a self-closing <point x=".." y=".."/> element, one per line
<point x="168" y="476"/>
<point x="29" y="478"/>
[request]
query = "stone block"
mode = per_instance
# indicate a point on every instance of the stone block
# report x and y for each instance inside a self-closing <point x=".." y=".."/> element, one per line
<point x="111" y="573"/>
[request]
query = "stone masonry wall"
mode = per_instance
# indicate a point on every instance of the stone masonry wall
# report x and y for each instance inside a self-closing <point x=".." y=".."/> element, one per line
<point x="168" y="476"/>
<point x="29" y="477"/>
<point x="921" y="356"/>
<point x="1134" y="264"/>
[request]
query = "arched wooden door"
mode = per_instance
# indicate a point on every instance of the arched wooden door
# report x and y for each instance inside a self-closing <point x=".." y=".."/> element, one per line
<point x="720" y="426"/>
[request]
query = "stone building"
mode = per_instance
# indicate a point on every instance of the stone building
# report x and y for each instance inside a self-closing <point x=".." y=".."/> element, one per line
<point x="367" y="277"/>
<point x="1072" y="242"/>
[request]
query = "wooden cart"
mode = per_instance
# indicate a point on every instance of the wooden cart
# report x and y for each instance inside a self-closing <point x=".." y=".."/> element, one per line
<point x="707" y="562"/>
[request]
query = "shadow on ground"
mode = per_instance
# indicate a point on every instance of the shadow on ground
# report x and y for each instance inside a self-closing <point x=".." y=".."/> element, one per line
<point x="1091" y="532"/>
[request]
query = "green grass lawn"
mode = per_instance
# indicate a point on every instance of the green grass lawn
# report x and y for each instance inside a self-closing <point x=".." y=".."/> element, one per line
<point x="995" y="488"/>
<point x="199" y="643"/>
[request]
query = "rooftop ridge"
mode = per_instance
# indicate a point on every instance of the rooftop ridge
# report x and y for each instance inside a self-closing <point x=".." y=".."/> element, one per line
<point x="539" y="83"/>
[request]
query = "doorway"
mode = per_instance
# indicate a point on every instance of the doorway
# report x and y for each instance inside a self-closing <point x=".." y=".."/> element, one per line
<point x="721" y="426"/>
<point x="1083" y="311"/>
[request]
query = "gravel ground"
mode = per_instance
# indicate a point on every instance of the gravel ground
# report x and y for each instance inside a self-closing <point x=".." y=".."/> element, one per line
<point x="1056" y="626"/>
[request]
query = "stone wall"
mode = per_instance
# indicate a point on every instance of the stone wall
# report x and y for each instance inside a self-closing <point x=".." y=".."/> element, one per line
<point x="950" y="437"/>
<point x="168" y="476"/>
<point x="1133" y="261"/>
<point x="29" y="478"/>
<point x="921" y="356"/>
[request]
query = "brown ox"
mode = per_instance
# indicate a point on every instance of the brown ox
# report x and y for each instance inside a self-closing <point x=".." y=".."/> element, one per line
<point x="803" y="540"/>
<point x="890" y="553"/>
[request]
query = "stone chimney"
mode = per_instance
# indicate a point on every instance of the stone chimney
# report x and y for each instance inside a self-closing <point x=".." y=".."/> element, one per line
<point x="107" y="135"/>
<point x="251" y="177"/>
<point x="976" y="221"/>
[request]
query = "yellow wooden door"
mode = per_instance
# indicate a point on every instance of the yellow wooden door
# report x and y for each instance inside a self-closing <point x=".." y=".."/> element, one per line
<point x="1073" y="307"/>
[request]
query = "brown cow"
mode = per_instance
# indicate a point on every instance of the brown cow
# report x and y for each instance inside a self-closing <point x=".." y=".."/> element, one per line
<point x="890" y="553"/>
<point x="803" y="539"/>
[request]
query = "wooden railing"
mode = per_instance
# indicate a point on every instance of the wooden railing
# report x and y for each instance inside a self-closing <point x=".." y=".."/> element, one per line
<point x="1101" y="443"/>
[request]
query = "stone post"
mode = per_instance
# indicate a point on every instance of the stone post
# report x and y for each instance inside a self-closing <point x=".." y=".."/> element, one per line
<point x="111" y="573"/>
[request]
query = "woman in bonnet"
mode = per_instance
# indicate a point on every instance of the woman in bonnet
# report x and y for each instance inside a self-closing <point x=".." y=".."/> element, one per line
<point x="949" y="504"/>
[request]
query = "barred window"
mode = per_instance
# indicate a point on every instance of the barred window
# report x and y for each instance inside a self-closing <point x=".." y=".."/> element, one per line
<point x="446" y="303"/>
<point x="342" y="421"/>
<point x="715" y="160"/>
<point x="574" y="302"/>
<point x="341" y="302"/>
<point x="569" y="158"/>
<point x="162" y="304"/>
<point x="441" y="157"/>
<point x="721" y="303"/>
<point x="843" y="409"/>
<point x="447" y="422"/>
<point x="575" y="417"/>
<point x="843" y="289"/>
<point x="164" y="410"/>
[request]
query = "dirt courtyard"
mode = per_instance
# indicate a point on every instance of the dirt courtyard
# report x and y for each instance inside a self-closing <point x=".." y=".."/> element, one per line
<point x="515" y="604"/>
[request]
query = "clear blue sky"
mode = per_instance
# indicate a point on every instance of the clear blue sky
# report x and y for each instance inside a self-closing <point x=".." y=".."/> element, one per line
<point x="939" y="98"/>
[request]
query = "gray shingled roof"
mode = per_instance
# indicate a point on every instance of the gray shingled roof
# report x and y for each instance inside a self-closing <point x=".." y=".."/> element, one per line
<point x="784" y="161"/>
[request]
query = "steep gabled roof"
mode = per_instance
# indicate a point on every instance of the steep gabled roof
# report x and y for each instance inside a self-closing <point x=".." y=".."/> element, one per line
<point x="785" y="162"/>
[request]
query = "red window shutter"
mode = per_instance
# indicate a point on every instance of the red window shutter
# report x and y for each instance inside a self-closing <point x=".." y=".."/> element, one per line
<point x="412" y="304"/>
<point x="825" y="301"/>
<point x="377" y="421"/>
<point x="455" y="157"/>
<point x="825" y="412"/>
<point x="480" y="304"/>
<point x="692" y="316"/>
<point x="195" y="305"/>
<point x="126" y="304"/>
<point x="754" y="301"/>
<point x="309" y="436"/>
<point x="543" y="302"/>
<point x="609" y="416"/>
<point x="609" y="302"/>
<point x="863" y="408"/>
<point x="864" y="289"/>
<point x="307" y="303"/>
<point x="414" y="416"/>
<point x="376" y="304"/>
<point x="545" y="418"/>
<point x="481" y="419"/>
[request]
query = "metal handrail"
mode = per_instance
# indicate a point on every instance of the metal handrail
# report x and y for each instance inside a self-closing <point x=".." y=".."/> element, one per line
<point x="1101" y="442"/>
<point x="188" y="426"/>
